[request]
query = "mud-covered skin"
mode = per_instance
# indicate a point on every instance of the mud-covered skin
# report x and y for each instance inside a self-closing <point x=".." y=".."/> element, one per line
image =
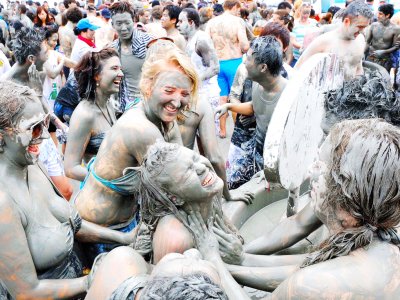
<point x="126" y="145"/>
<point x="91" y="118"/>
<point x="25" y="188"/>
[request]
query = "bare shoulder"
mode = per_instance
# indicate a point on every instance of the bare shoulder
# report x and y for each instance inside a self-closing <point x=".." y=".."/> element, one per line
<point x="360" y="275"/>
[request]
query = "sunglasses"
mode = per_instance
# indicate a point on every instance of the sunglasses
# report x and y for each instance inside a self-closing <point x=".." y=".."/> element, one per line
<point x="158" y="39"/>
<point x="37" y="128"/>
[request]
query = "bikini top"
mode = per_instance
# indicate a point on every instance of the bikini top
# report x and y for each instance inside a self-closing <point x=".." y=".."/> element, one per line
<point x="94" y="143"/>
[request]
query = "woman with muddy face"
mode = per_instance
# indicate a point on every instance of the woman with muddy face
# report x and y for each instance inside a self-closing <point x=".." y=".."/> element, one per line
<point x="175" y="181"/>
<point x="168" y="85"/>
<point x="99" y="76"/>
<point x="37" y="225"/>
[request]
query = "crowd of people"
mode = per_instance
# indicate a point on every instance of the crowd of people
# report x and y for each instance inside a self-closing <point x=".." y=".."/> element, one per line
<point x="113" y="179"/>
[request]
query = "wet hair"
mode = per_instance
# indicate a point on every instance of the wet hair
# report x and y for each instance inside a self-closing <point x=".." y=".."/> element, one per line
<point x="386" y="9"/>
<point x="156" y="12"/>
<point x="174" y="57"/>
<point x="277" y="30"/>
<point x="333" y="10"/>
<point x="13" y="98"/>
<point x="74" y="15"/>
<point x="244" y="13"/>
<point x="286" y="17"/>
<point x="49" y="31"/>
<point x="121" y="7"/>
<point x="27" y="42"/>
<point x="173" y="12"/>
<point x="189" y="5"/>
<point x="38" y="21"/>
<point x="88" y="68"/>
<point x="357" y="8"/>
<point x="197" y="286"/>
<point x="363" y="180"/>
<point x="193" y="16"/>
<point x="229" y="4"/>
<point x="267" y="50"/>
<point x="366" y="96"/>
<point x="284" y="5"/>
<point x="217" y="9"/>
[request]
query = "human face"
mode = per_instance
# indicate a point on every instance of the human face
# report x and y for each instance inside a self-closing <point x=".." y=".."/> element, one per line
<point x="191" y="179"/>
<point x="382" y="18"/>
<point x="352" y="28"/>
<point x="42" y="57"/>
<point x="253" y="69"/>
<point x="183" y="24"/>
<point x="89" y="34"/>
<point x="110" y="76"/>
<point x="190" y="262"/>
<point x="123" y="24"/>
<point x="42" y="16"/>
<point x="52" y="41"/>
<point x="166" y="21"/>
<point x="170" y="94"/>
<point x="277" y="19"/>
<point x="146" y="17"/>
<point x="27" y="133"/>
<point x="305" y="12"/>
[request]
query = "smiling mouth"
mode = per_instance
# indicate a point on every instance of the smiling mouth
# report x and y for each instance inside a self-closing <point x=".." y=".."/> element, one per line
<point x="171" y="108"/>
<point x="117" y="81"/>
<point x="209" y="180"/>
<point x="34" y="149"/>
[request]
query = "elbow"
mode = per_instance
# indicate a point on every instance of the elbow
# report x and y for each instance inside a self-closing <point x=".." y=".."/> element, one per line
<point x="245" y="47"/>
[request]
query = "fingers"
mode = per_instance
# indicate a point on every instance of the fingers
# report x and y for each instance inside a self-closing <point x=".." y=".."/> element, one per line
<point x="222" y="241"/>
<point x="220" y="233"/>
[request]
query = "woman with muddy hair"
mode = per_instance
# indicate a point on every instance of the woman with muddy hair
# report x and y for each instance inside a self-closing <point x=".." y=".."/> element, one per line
<point x="168" y="85"/>
<point x="99" y="76"/>
<point x="358" y="198"/>
<point x="174" y="181"/>
<point x="37" y="227"/>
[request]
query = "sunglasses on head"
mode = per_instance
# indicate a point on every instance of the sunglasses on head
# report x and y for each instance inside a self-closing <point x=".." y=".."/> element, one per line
<point x="158" y="39"/>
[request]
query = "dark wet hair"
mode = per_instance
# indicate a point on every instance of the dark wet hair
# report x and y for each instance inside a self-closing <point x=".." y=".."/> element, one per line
<point x="189" y="5"/>
<point x="363" y="179"/>
<point x="49" y="31"/>
<point x="121" y="7"/>
<point x="173" y="12"/>
<point x="218" y="9"/>
<point x="193" y="16"/>
<point x="366" y="96"/>
<point x="267" y="50"/>
<point x="284" y="5"/>
<point x="333" y="10"/>
<point x="88" y="68"/>
<point x="27" y="42"/>
<point x="22" y="8"/>
<point x="74" y="15"/>
<point x="244" y="13"/>
<point x="197" y="286"/>
<point x="13" y="98"/>
<point x="357" y="8"/>
<point x="277" y="30"/>
<point x="386" y="9"/>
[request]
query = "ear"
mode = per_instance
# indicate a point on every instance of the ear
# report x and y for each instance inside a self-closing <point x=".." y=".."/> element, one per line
<point x="264" y="68"/>
<point x="346" y="21"/>
<point x="31" y="58"/>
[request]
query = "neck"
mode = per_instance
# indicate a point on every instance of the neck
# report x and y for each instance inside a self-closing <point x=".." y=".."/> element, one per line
<point x="171" y="30"/>
<point x="270" y="83"/>
<point x="19" y="72"/>
<point x="191" y="34"/>
<point x="11" y="169"/>
<point x="152" y="117"/>
<point x="385" y="22"/>
<point x="101" y="98"/>
<point x="205" y="208"/>
<point x="126" y="42"/>
<point x="230" y="12"/>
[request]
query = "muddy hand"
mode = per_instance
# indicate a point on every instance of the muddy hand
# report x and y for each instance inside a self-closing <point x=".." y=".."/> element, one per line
<point x="206" y="241"/>
<point x="230" y="246"/>
<point x="221" y="110"/>
<point x="239" y="195"/>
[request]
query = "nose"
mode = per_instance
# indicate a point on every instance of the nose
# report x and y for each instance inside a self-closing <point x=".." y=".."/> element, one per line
<point x="120" y="73"/>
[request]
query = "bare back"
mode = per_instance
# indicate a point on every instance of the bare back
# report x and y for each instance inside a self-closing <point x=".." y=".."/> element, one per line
<point x="229" y="36"/>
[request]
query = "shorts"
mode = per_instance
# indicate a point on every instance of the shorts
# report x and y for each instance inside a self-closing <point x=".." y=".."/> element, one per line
<point x="227" y="71"/>
<point x="62" y="112"/>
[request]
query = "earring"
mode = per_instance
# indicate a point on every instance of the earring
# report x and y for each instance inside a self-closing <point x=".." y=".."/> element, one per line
<point x="175" y="200"/>
<point x="97" y="84"/>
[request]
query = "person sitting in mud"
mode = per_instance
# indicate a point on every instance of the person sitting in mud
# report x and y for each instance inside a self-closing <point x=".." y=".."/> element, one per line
<point x="38" y="226"/>
<point x="168" y="86"/>
<point x="170" y="188"/>
<point x="99" y="76"/>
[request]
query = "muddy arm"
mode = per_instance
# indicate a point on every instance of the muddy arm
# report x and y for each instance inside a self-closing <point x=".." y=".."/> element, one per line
<point x="286" y="233"/>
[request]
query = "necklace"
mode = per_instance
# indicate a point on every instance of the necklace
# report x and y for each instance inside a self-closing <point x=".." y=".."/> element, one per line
<point x="110" y="120"/>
